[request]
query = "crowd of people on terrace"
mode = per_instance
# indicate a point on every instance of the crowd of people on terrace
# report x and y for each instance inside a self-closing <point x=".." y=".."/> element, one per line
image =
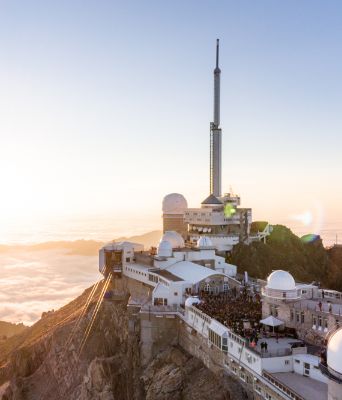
<point x="239" y="311"/>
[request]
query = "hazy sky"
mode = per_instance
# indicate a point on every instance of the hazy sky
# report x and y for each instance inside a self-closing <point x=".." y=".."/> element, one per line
<point x="105" y="108"/>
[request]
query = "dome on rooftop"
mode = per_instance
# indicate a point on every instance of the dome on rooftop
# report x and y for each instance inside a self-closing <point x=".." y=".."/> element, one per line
<point x="204" y="241"/>
<point x="280" y="280"/>
<point x="176" y="240"/>
<point x="164" y="249"/>
<point x="334" y="351"/>
<point x="174" y="203"/>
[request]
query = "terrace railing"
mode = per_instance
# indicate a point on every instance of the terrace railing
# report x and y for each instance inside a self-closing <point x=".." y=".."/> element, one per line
<point x="335" y="376"/>
<point x="281" y="386"/>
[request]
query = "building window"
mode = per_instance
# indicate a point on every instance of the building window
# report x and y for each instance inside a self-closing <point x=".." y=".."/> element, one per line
<point x="258" y="389"/>
<point x="320" y="321"/>
<point x="207" y="287"/>
<point x="292" y="315"/>
<point x="314" y="320"/>
<point x="225" y="287"/>
<point x="302" y="317"/>
<point x="287" y="362"/>
<point x="297" y="316"/>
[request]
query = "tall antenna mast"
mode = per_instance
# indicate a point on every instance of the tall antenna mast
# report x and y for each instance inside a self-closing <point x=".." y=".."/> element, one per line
<point x="215" y="133"/>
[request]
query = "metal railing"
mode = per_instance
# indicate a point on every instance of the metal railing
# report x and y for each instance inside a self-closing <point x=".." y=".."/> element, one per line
<point x="334" y="376"/>
<point x="282" y="387"/>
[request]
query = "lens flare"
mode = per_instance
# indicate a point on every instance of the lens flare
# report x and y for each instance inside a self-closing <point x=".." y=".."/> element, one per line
<point x="310" y="238"/>
<point x="305" y="218"/>
<point x="312" y="221"/>
<point x="229" y="210"/>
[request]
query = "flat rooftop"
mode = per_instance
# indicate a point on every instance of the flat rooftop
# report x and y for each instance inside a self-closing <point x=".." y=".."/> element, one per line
<point x="167" y="275"/>
<point x="279" y="348"/>
<point x="306" y="387"/>
<point x="143" y="257"/>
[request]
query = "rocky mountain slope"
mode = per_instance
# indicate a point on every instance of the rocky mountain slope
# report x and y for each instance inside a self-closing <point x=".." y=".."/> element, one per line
<point x="8" y="329"/>
<point x="45" y="362"/>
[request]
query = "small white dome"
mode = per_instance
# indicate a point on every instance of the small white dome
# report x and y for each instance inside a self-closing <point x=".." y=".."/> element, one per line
<point x="164" y="249"/>
<point x="204" y="241"/>
<point x="280" y="280"/>
<point x="174" y="203"/>
<point x="174" y="238"/>
<point x="334" y="353"/>
<point x="190" y="301"/>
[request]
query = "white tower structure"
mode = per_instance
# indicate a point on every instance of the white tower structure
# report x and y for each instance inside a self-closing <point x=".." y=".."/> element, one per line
<point x="215" y="134"/>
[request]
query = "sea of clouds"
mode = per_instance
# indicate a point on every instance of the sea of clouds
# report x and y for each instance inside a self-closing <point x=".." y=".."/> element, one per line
<point x="33" y="281"/>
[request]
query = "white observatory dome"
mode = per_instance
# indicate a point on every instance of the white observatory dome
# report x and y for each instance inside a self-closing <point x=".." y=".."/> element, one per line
<point x="174" y="238"/>
<point x="334" y="353"/>
<point x="281" y="280"/>
<point x="174" y="203"/>
<point x="204" y="241"/>
<point x="190" y="301"/>
<point x="164" y="249"/>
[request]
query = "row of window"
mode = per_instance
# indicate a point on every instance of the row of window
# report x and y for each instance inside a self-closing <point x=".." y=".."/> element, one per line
<point x="208" y="288"/>
<point x="215" y="339"/>
<point x="248" y="379"/>
<point x="128" y="269"/>
<point x="159" y="301"/>
<point x="297" y="316"/>
<point x="153" y="278"/>
<point x="319" y="321"/>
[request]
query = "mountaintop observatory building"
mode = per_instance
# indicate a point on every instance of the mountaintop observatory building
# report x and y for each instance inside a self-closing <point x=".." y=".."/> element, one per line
<point x="219" y="216"/>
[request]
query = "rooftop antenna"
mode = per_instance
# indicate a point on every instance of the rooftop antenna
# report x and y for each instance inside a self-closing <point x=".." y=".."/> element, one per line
<point x="217" y="52"/>
<point x="215" y="133"/>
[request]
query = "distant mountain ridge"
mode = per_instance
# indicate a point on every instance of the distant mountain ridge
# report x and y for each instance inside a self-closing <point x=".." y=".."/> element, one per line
<point x="85" y="247"/>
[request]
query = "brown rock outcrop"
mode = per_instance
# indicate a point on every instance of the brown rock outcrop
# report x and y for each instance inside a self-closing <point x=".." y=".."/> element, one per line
<point x="44" y="362"/>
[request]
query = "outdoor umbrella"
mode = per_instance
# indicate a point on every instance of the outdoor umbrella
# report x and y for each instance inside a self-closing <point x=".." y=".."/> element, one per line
<point x="271" y="321"/>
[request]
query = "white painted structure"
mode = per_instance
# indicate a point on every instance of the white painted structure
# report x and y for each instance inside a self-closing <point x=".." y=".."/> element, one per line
<point x="176" y="271"/>
<point x="281" y="285"/>
<point x="239" y="352"/>
<point x="174" y="238"/>
<point x="334" y="361"/>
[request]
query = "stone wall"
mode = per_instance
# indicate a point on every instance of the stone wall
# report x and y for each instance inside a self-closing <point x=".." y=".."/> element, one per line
<point x="157" y="332"/>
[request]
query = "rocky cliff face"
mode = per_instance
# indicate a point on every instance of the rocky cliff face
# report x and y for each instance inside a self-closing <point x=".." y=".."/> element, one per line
<point x="45" y="362"/>
<point x="7" y="329"/>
